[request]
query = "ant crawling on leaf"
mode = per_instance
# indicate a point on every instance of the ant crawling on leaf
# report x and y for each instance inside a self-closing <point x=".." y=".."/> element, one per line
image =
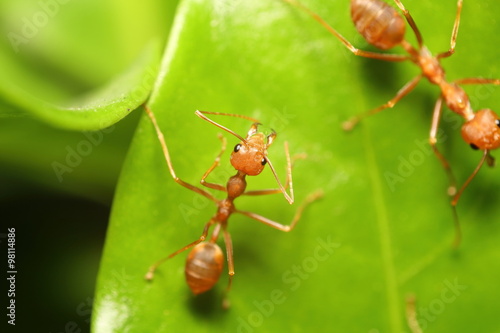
<point x="383" y="27"/>
<point x="205" y="261"/>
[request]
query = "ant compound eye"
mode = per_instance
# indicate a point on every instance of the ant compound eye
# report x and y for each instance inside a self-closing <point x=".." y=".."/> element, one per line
<point x="497" y="122"/>
<point x="237" y="147"/>
<point x="473" y="146"/>
<point x="263" y="162"/>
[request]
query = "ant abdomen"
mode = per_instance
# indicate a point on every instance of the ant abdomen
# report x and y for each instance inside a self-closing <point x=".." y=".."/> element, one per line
<point x="203" y="267"/>
<point x="379" y="24"/>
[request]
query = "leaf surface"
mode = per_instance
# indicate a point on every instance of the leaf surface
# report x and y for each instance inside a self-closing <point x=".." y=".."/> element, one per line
<point x="384" y="227"/>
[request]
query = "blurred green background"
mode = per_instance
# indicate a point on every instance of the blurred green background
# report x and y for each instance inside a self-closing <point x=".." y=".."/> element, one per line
<point x="83" y="66"/>
<point x="66" y="50"/>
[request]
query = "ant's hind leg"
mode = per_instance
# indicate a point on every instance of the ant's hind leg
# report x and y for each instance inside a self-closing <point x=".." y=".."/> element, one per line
<point x="344" y="41"/>
<point x="152" y="269"/>
<point x="230" y="267"/>
<point x="411" y="22"/>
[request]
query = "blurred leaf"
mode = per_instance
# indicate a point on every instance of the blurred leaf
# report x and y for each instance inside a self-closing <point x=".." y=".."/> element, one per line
<point x="76" y="74"/>
<point x="95" y="110"/>
<point x="80" y="43"/>
<point x="82" y="164"/>
<point x="72" y="62"/>
<point x="388" y="238"/>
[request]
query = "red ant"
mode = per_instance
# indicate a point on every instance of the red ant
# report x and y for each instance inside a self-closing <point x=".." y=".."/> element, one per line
<point x="383" y="27"/>
<point x="205" y="261"/>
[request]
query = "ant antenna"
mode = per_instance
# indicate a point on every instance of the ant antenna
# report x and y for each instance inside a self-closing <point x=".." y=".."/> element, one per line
<point x="289" y="197"/>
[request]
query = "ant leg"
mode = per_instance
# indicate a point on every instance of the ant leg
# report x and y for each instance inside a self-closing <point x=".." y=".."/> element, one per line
<point x="298" y="214"/>
<point x="289" y="198"/>
<point x="411" y="315"/>
<point x="288" y="179"/>
<point x="349" y="124"/>
<point x="150" y="274"/>
<point x="452" y="188"/>
<point x="411" y="22"/>
<point x="230" y="266"/>
<point x="478" y="80"/>
<point x="214" y="165"/>
<point x="436" y="116"/>
<point x="161" y="138"/>
<point x="490" y="160"/>
<point x="486" y="157"/>
<point x="202" y="114"/>
<point x="454" y="33"/>
<point x="343" y="40"/>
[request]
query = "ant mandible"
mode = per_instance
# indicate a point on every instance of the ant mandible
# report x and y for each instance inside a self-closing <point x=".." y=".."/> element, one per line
<point x="383" y="27"/>
<point x="205" y="261"/>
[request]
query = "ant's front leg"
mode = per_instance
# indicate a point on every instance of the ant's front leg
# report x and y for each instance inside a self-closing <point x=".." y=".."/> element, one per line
<point x="214" y="165"/>
<point x="286" y="228"/>
<point x="166" y="154"/>
<point x="299" y="156"/>
<point x="436" y="116"/>
<point x="282" y="189"/>
<point x="452" y="188"/>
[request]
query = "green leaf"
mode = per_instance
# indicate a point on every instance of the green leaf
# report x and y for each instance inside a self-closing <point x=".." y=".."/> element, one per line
<point x="389" y="237"/>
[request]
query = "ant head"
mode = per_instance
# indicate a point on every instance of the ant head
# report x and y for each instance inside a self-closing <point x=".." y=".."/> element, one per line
<point x="483" y="131"/>
<point x="250" y="155"/>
